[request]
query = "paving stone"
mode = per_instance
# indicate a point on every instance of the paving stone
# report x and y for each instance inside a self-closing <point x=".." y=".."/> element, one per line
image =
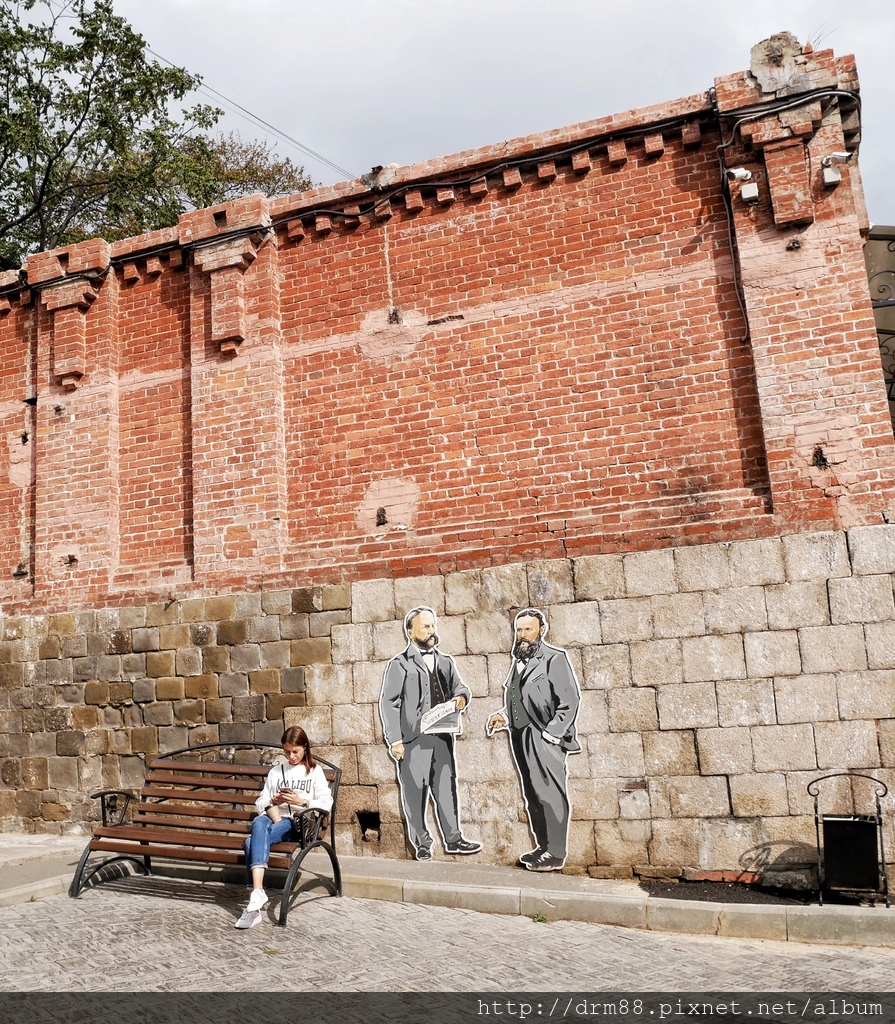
<point x="703" y="567"/>
<point x="816" y="556"/>
<point x="599" y="577"/>
<point x="167" y="926"/>
<point x="774" y="653"/>
<point x="550" y="582"/>
<point x="872" y="549"/>
<point x="724" y="751"/>
<point x="655" y="662"/>
<point x="650" y="572"/>
<point x="832" y="648"/>
<point x="713" y="657"/>
<point x="626" y="620"/>
<point x="745" y="702"/>
<point x="806" y="699"/>
<point x="861" y="599"/>
<point x="687" y="706"/>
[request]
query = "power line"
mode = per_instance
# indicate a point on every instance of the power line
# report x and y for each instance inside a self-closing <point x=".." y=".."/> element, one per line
<point x="260" y="122"/>
<point x="253" y="118"/>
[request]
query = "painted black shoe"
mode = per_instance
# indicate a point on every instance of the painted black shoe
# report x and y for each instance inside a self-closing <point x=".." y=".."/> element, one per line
<point x="545" y="862"/>
<point x="424" y="853"/>
<point x="529" y="858"/>
<point x="463" y="846"/>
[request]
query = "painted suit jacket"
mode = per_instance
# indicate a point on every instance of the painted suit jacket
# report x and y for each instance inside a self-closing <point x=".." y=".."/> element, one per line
<point x="550" y="695"/>
<point x="405" y="695"/>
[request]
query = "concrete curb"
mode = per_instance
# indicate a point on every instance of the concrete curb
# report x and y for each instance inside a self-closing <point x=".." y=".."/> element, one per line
<point x="829" y="925"/>
<point x="43" y="866"/>
<point x="36" y="890"/>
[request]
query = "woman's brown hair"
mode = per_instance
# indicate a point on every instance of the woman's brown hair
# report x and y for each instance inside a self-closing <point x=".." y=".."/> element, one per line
<point x="299" y="738"/>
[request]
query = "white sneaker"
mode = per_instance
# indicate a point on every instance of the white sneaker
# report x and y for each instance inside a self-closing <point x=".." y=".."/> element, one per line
<point x="257" y="901"/>
<point x="249" y="919"/>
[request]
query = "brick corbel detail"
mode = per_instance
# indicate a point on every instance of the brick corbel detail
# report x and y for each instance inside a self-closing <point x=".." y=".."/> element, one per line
<point x="226" y="264"/>
<point x="786" y="164"/>
<point x="68" y="302"/>
<point x="782" y="139"/>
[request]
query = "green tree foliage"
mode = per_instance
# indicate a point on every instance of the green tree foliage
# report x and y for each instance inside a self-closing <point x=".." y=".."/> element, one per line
<point x="229" y="167"/>
<point x="89" y="142"/>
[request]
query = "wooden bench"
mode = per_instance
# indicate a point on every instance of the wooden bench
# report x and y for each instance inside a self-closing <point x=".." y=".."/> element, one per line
<point x="197" y="804"/>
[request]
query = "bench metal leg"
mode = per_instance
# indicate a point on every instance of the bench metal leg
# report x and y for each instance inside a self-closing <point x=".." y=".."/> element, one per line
<point x="80" y="880"/>
<point x="336" y="886"/>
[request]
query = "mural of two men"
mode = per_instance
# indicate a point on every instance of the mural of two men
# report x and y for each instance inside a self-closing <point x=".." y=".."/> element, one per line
<point x="421" y="703"/>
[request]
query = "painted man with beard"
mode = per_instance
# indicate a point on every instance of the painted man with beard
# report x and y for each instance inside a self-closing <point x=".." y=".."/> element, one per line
<point x="419" y="683"/>
<point x="541" y="698"/>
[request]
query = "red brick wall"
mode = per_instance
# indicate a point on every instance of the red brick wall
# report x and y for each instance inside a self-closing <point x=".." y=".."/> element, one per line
<point x="535" y="350"/>
<point x="591" y="339"/>
<point x="154" y="411"/>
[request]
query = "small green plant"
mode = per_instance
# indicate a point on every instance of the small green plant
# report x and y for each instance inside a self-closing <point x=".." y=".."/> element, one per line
<point x="539" y="918"/>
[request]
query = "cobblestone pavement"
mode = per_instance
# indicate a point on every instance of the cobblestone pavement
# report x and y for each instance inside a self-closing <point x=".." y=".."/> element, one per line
<point x="171" y="935"/>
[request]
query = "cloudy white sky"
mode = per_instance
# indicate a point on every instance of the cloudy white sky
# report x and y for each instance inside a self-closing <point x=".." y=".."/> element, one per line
<point x="367" y="82"/>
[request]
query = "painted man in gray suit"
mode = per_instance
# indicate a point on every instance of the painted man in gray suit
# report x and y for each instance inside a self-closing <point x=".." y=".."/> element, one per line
<point x="541" y="698"/>
<point x="419" y="684"/>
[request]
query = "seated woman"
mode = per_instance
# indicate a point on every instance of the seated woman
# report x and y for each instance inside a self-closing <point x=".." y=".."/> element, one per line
<point x="289" y="788"/>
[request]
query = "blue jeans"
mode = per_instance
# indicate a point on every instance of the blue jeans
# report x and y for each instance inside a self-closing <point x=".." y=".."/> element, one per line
<point x="264" y="834"/>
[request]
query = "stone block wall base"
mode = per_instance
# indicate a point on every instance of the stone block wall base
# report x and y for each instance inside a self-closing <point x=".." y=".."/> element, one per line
<point x="716" y="680"/>
<point x="611" y="871"/>
<point x="742" y="877"/>
<point x="658" y="870"/>
<point x="801" y="878"/>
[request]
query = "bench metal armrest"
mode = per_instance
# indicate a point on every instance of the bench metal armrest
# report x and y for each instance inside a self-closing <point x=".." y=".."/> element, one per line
<point x="312" y="821"/>
<point x="114" y="809"/>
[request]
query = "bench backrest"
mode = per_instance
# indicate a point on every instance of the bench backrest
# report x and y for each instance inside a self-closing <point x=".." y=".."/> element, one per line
<point x="208" y="789"/>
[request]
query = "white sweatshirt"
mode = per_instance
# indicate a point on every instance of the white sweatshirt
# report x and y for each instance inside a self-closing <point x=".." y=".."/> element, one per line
<point x="285" y="776"/>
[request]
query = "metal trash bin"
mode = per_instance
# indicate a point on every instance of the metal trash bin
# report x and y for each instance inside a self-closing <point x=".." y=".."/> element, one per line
<point x="850" y="849"/>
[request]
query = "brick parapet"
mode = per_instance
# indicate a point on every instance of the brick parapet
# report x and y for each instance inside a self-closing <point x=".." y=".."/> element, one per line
<point x="474" y="161"/>
<point x="717" y="681"/>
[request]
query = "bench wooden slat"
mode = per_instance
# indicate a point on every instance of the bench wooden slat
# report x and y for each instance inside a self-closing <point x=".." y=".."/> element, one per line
<point x="159" y="778"/>
<point x="238" y="816"/>
<point x="277" y="860"/>
<point x="166" y="836"/>
<point x="193" y="839"/>
<point x="199" y="823"/>
<point x="210" y="767"/>
<point x="197" y="795"/>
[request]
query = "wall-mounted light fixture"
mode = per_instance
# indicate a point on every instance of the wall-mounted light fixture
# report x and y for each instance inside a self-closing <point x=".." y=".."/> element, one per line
<point x="831" y="167"/>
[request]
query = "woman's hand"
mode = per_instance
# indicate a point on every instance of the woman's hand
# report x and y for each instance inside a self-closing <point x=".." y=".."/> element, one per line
<point x="289" y="796"/>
